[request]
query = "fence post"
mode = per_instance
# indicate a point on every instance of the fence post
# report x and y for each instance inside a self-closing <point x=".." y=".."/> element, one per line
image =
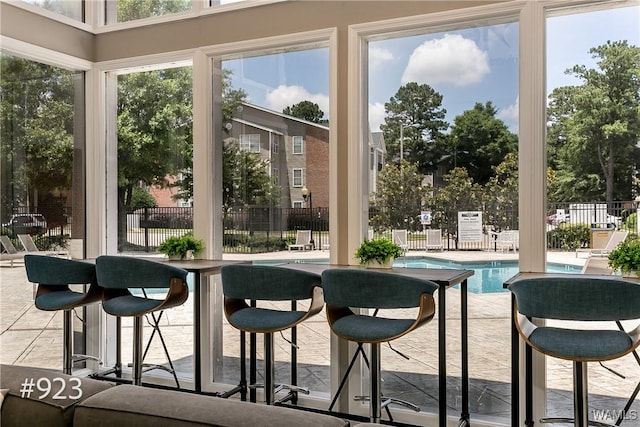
<point x="146" y="229"/>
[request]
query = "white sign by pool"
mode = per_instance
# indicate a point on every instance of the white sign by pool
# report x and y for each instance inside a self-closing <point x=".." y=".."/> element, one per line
<point x="470" y="226"/>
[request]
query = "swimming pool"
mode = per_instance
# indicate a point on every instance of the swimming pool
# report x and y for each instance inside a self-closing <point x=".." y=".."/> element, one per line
<point x="488" y="276"/>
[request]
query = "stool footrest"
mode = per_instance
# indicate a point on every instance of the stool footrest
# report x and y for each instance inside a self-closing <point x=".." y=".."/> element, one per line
<point x="561" y="420"/>
<point x="391" y="400"/>
<point x="146" y="367"/>
<point x="77" y="358"/>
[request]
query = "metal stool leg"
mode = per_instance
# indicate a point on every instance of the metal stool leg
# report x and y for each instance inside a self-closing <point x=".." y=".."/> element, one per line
<point x="375" y="398"/>
<point x="137" y="351"/>
<point x="67" y="356"/>
<point x="580" y="394"/>
<point x="269" y="371"/>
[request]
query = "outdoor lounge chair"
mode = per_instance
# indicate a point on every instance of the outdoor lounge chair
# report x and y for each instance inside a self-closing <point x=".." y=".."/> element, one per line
<point x="508" y="239"/>
<point x="616" y="238"/>
<point x="434" y="239"/>
<point x="30" y="246"/>
<point x="303" y="240"/>
<point x="10" y="252"/>
<point x="399" y="237"/>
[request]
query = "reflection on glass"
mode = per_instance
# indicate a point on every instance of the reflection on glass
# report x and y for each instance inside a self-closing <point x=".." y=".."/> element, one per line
<point x="443" y="115"/>
<point x="593" y="90"/>
<point x="70" y="8"/>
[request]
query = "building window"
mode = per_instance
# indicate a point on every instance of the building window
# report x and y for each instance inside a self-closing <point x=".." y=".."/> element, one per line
<point x="275" y="176"/>
<point x="297" y="178"/>
<point x="298" y="204"/>
<point x="250" y="142"/>
<point x="298" y="145"/>
<point x="275" y="146"/>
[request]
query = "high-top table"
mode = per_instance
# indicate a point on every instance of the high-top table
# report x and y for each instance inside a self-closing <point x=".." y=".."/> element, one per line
<point x="445" y="278"/>
<point x="201" y="269"/>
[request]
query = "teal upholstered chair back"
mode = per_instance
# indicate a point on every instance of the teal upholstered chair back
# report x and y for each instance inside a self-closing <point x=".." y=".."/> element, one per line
<point x="54" y="271"/>
<point x="580" y="298"/>
<point x="270" y="283"/>
<point x="120" y="272"/>
<point x="372" y="289"/>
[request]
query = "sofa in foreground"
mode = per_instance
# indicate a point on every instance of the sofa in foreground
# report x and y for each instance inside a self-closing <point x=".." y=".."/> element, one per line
<point x="102" y="404"/>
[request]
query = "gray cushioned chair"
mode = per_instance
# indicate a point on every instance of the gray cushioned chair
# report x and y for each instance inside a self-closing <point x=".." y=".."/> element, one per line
<point x="53" y="276"/>
<point x="268" y="283"/>
<point x="348" y="289"/>
<point x="577" y="298"/>
<point x="118" y="274"/>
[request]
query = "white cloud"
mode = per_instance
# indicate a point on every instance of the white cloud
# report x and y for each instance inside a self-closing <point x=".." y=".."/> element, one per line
<point x="378" y="56"/>
<point x="376" y="116"/>
<point x="450" y="59"/>
<point x="286" y="96"/>
<point x="510" y="115"/>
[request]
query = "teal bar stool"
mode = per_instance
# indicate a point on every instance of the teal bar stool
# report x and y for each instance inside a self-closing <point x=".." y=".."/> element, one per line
<point x="258" y="283"/>
<point x="349" y="289"/>
<point x="582" y="299"/>
<point x="53" y="276"/>
<point x="117" y="275"/>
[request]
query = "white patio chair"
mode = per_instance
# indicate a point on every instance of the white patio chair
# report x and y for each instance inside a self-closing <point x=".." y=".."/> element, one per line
<point x="399" y="237"/>
<point x="508" y="239"/>
<point x="615" y="239"/>
<point x="30" y="246"/>
<point x="434" y="239"/>
<point x="303" y="240"/>
<point x="10" y="253"/>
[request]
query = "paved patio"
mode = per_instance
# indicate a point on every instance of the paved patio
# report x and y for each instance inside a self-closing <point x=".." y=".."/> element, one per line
<point x="32" y="337"/>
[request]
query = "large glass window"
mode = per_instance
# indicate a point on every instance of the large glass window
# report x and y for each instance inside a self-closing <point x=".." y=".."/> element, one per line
<point x="131" y="10"/>
<point x="593" y="90"/>
<point x="269" y="94"/>
<point x="443" y="115"/>
<point x="42" y="171"/>
<point x="71" y="8"/>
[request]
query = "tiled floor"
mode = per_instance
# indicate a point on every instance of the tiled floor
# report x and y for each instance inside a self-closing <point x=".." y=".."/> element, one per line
<point x="32" y="337"/>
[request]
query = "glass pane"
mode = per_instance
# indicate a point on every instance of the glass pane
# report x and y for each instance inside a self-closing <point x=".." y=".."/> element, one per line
<point x="593" y="108"/>
<point x="72" y="8"/>
<point x="42" y="185"/>
<point x="131" y="10"/>
<point x="271" y="96"/>
<point x="443" y="114"/>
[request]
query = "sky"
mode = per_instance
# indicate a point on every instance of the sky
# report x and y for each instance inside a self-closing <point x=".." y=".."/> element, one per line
<point x="477" y="64"/>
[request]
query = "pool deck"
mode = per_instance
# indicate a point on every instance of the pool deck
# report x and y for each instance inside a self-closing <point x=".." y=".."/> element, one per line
<point x="33" y="337"/>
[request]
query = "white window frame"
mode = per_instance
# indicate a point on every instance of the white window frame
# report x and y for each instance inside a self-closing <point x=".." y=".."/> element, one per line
<point x="249" y="143"/>
<point x="297" y="141"/>
<point x="294" y="177"/>
<point x="275" y="146"/>
<point x="275" y="176"/>
<point x="297" y="204"/>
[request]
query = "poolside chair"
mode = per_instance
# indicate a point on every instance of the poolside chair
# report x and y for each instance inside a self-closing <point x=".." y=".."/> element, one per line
<point x="616" y="238"/>
<point x="303" y="240"/>
<point x="399" y="237"/>
<point x="10" y="252"/>
<point x="508" y="239"/>
<point x="30" y="246"/>
<point x="434" y="239"/>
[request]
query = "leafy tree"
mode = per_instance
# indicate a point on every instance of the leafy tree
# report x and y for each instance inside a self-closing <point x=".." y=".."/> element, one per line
<point x="142" y="199"/>
<point x="129" y="10"/>
<point x="459" y="193"/>
<point x="480" y="141"/>
<point x="418" y="108"/>
<point x="595" y="127"/>
<point x="36" y="135"/>
<point x="398" y="197"/>
<point x="501" y="195"/>
<point x="246" y="178"/>
<point x="306" y="110"/>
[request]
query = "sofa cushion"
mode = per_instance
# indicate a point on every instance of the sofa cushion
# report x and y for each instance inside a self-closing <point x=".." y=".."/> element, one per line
<point x="128" y="405"/>
<point x="48" y="411"/>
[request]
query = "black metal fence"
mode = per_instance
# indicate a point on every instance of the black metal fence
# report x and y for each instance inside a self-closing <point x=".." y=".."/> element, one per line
<point x="264" y="229"/>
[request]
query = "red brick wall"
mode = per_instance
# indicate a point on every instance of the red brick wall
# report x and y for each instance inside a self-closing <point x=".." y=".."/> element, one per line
<point x="317" y="167"/>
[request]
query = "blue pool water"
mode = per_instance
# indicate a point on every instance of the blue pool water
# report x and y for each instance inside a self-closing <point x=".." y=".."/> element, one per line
<point x="488" y="276"/>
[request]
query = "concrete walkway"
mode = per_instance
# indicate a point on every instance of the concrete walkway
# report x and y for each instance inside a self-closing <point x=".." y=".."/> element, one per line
<point x="32" y="337"/>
